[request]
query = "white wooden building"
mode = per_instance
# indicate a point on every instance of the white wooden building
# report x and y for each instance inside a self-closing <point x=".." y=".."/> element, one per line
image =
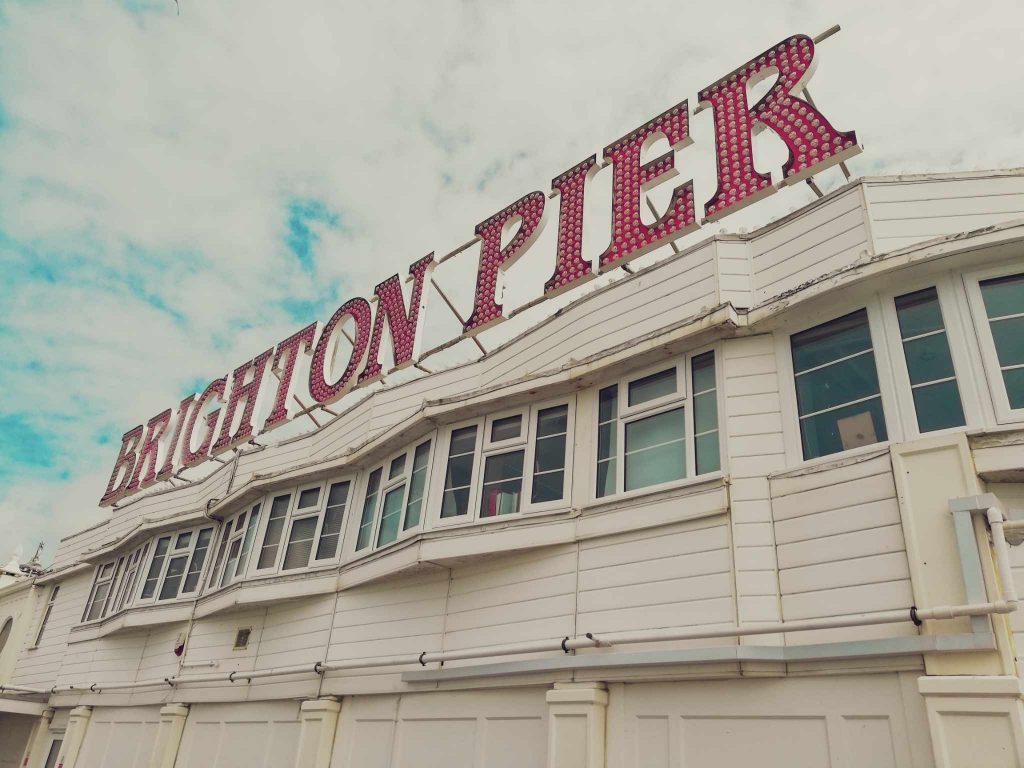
<point x="681" y="522"/>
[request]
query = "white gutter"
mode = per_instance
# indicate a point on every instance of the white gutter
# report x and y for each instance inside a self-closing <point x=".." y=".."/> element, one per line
<point x="1008" y="604"/>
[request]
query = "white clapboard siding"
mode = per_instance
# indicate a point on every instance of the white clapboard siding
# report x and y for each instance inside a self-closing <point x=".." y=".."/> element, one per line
<point x="910" y="210"/>
<point x="400" y="616"/>
<point x="840" y="542"/>
<point x="512" y="599"/>
<point x="40" y="666"/>
<point x="675" y="576"/>
<point x="824" y="237"/>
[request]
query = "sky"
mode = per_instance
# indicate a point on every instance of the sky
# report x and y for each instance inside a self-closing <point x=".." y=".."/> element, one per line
<point x="183" y="186"/>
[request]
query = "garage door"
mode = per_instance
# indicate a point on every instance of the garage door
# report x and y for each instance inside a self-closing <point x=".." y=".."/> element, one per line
<point x="469" y="729"/>
<point x="250" y="735"/>
<point x="865" y="720"/>
<point x="121" y="736"/>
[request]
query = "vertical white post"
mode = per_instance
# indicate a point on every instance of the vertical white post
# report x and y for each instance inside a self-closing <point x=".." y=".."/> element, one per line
<point x="35" y="750"/>
<point x="319" y="722"/>
<point x="168" y="735"/>
<point x="576" y="725"/>
<point x="78" y="724"/>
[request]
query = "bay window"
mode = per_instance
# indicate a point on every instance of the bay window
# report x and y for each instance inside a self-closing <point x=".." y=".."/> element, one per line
<point x="302" y="528"/>
<point x="395" y="493"/>
<point x="177" y="564"/>
<point x="508" y="463"/>
<point x="652" y="432"/>
<point x="838" y="398"/>
<point x="235" y="545"/>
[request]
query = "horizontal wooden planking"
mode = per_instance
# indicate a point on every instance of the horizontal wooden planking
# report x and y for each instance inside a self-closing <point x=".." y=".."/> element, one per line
<point x="843" y="601"/>
<point x="791" y="233"/>
<point x="980" y="188"/>
<point x="831" y="522"/>
<point x="846" y="494"/>
<point x="508" y="594"/>
<point x="512" y="631"/>
<point x="651" y="570"/>
<point x="412" y="644"/>
<point x="827" y="475"/>
<point x="874" y="541"/>
<point x="675" y="590"/>
<point x="871" y="569"/>
<point x="700" y="536"/>
<point x="843" y="249"/>
<point x="715" y="610"/>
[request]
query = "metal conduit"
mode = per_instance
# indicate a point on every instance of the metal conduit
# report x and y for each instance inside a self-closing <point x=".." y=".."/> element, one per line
<point x="1008" y="604"/>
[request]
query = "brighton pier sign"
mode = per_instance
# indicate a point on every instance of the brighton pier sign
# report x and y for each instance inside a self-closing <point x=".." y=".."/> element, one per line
<point x="222" y="417"/>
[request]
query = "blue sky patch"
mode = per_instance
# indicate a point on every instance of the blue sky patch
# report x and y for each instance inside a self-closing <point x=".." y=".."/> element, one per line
<point x="302" y="237"/>
<point x="23" y="446"/>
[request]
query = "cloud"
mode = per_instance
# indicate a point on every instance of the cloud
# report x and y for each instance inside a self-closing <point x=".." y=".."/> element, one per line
<point x="178" y="193"/>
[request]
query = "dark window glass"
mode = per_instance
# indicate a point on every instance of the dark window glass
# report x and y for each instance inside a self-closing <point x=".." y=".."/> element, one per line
<point x="369" y="507"/>
<point x="459" y="474"/>
<point x="549" y="454"/>
<point x="705" y="414"/>
<point x="652" y="387"/>
<point x="607" y="431"/>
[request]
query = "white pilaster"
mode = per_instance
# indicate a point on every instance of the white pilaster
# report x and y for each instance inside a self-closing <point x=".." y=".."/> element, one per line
<point x="78" y="724"/>
<point x="576" y="725"/>
<point x="168" y="735"/>
<point x="975" y="720"/>
<point x="319" y="722"/>
<point x="35" y="750"/>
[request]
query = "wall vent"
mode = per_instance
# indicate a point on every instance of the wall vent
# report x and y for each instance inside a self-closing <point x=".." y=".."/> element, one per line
<point x="242" y="638"/>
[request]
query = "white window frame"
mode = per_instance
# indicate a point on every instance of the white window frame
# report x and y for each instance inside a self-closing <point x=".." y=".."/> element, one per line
<point x="949" y="305"/>
<point x="682" y="398"/>
<point x="990" y="361"/>
<point x="47" y="610"/>
<point x="389" y="484"/>
<point x="293" y="514"/>
<point x="97" y="581"/>
<point x="188" y="552"/>
<point x="892" y="407"/>
<point x="485" y="447"/>
<point x="228" y="534"/>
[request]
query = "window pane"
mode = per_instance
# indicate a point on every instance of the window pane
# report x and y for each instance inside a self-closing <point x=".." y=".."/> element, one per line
<point x="309" y="498"/>
<point x="652" y="466"/>
<point x="843" y="429"/>
<point x="919" y="313"/>
<point x="703" y="367"/>
<point x="1014" y="381"/>
<point x="275" y="528"/>
<point x="655" y="430"/>
<point x="652" y="387"/>
<point x="928" y="358"/>
<point x="195" y="567"/>
<point x="369" y="507"/>
<point x="606" y="478"/>
<point x="1008" y="336"/>
<point x="550" y="454"/>
<point x="608" y="404"/>
<point x="1003" y="295"/>
<point x="503" y="484"/>
<point x="330" y="534"/>
<point x="231" y="568"/>
<point x="553" y="421"/>
<point x="250" y="534"/>
<point x="707" y="455"/>
<point x="175" y="570"/>
<point x="705" y="412"/>
<point x="300" y="543"/>
<point x="221" y="549"/>
<point x="154" y="569"/>
<point x="416" y="486"/>
<point x="837" y="384"/>
<point x="459" y="472"/>
<point x="455" y="502"/>
<point x="397" y="467"/>
<point x="463" y="441"/>
<point x="548" y="486"/>
<point x="655" y="449"/>
<point x="99" y="596"/>
<point x="506" y="429"/>
<point x="184" y="539"/>
<point x="938" y="406"/>
<point x="391" y="512"/>
<point x="503" y="466"/>
<point x="824" y="343"/>
<point x="606" y="438"/>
